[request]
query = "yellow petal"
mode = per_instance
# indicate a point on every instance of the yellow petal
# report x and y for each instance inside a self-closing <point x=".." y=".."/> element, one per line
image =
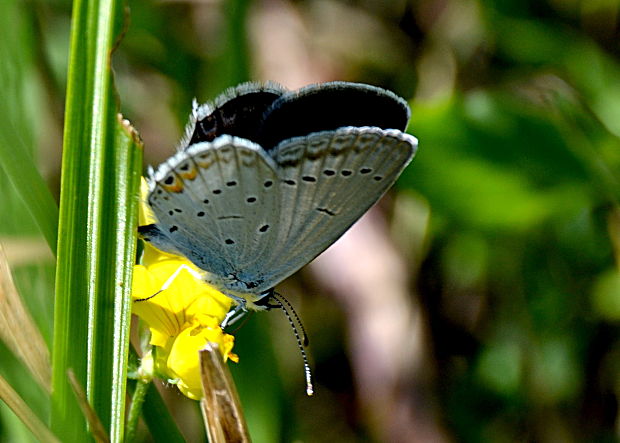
<point x="160" y="339"/>
<point x="145" y="215"/>
<point x="143" y="282"/>
<point x="152" y="255"/>
<point x="183" y="360"/>
<point x="169" y="311"/>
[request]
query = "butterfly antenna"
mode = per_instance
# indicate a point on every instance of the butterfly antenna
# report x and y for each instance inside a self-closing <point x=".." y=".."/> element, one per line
<point x="147" y="298"/>
<point x="282" y="299"/>
<point x="282" y="302"/>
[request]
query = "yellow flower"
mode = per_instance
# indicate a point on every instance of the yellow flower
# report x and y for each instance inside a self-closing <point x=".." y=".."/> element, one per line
<point x="182" y="318"/>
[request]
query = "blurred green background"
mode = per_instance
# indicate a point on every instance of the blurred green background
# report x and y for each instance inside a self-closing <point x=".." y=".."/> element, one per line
<point x="491" y="309"/>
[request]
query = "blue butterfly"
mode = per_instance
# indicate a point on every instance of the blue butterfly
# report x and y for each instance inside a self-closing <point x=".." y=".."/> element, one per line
<point x="266" y="179"/>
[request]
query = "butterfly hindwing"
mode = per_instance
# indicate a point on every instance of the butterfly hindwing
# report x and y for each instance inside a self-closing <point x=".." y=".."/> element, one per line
<point x="328" y="181"/>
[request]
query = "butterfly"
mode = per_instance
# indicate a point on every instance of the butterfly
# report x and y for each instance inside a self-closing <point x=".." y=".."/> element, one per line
<point x="266" y="179"/>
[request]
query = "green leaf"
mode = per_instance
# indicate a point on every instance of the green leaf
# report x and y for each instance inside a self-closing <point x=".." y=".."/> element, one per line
<point x="157" y="417"/>
<point x="16" y="141"/>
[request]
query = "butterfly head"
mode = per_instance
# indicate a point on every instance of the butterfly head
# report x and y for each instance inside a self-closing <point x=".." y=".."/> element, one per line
<point x="246" y="293"/>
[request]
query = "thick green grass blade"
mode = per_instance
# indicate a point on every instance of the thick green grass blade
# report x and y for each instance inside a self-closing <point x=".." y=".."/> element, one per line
<point x="108" y="370"/>
<point x="97" y="226"/>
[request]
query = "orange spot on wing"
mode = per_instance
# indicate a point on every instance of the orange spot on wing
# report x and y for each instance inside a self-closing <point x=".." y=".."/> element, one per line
<point x="177" y="186"/>
<point x="190" y="175"/>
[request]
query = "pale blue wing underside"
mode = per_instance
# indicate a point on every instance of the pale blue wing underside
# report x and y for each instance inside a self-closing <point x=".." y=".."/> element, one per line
<point x="252" y="218"/>
<point x="338" y="176"/>
<point x="210" y="202"/>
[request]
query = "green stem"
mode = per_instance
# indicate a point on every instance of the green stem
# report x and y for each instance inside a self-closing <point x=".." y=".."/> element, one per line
<point x="135" y="410"/>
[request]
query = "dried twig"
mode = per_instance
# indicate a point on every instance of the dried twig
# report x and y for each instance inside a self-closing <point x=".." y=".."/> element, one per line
<point x="221" y="409"/>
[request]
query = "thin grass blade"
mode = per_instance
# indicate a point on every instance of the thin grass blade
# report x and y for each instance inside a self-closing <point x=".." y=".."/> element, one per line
<point x="18" y="330"/>
<point x="25" y="414"/>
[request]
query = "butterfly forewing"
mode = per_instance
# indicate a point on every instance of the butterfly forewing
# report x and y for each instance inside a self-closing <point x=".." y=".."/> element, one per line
<point x="325" y="173"/>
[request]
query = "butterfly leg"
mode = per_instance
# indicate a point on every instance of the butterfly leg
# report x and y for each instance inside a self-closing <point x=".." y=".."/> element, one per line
<point x="172" y="277"/>
<point x="234" y="314"/>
